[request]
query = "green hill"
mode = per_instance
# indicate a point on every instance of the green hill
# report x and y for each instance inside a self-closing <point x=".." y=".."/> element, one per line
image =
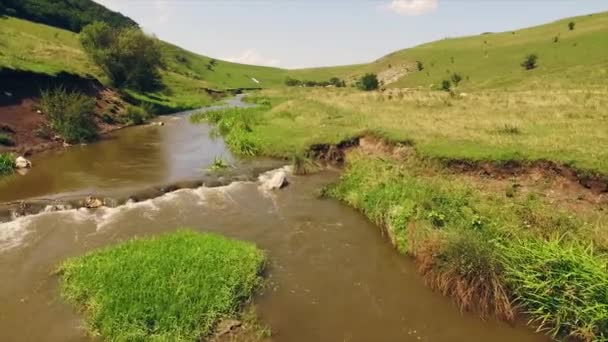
<point x="566" y="58"/>
<point x="40" y="48"/>
<point x="68" y="14"/>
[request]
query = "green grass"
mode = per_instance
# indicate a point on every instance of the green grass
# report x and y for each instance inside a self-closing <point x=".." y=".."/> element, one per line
<point x="44" y="49"/>
<point x="493" y="60"/>
<point x="497" y="126"/>
<point x="175" y="287"/>
<point x="484" y="248"/>
<point x="7" y="163"/>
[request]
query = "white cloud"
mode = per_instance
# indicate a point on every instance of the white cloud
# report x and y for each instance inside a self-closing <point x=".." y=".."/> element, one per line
<point x="412" y="7"/>
<point x="251" y="56"/>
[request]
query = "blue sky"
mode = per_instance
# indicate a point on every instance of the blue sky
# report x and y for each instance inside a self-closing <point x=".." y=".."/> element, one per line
<point x="305" y="33"/>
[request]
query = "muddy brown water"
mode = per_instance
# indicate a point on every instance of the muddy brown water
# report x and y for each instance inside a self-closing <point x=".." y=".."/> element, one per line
<point x="332" y="275"/>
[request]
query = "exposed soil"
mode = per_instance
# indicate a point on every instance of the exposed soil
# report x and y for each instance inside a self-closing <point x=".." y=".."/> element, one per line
<point x="557" y="184"/>
<point x="24" y="124"/>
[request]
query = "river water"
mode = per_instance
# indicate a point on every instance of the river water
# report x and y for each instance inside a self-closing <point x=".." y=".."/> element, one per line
<point x="332" y="275"/>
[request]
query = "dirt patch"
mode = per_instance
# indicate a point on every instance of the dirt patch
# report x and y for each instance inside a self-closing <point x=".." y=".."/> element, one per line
<point x="557" y="184"/>
<point x="21" y="120"/>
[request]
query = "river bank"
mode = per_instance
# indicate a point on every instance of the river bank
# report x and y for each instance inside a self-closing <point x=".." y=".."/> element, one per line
<point x="521" y="239"/>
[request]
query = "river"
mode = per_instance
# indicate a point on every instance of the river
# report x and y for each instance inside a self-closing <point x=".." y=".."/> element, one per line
<point x="332" y="275"/>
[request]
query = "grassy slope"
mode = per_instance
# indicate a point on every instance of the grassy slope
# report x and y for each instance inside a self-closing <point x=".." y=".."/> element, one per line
<point x="175" y="287"/>
<point x="492" y="60"/>
<point x="44" y="49"/>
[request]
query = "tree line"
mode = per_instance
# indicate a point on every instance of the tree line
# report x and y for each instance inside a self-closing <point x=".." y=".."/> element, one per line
<point x="71" y="15"/>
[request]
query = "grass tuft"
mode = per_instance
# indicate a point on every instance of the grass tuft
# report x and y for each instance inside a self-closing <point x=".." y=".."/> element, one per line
<point x="7" y="163"/>
<point x="175" y="287"/>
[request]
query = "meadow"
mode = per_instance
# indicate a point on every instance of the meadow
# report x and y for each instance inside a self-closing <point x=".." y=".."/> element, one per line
<point x="173" y="287"/>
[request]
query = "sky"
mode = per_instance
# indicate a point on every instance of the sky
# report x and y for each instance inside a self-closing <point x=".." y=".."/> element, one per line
<point x="308" y="33"/>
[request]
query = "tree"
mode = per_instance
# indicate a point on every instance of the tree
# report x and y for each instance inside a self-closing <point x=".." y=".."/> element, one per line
<point x="292" y="82"/>
<point x="456" y="78"/>
<point x="419" y="65"/>
<point x="369" y="82"/>
<point x="127" y="56"/>
<point x="571" y="25"/>
<point x="446" y="85"/>
<point x="530" y="62"/>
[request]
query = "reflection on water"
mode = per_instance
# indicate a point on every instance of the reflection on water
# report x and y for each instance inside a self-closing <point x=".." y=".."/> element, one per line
<point x="129" y="158"/>
<point x="332" y="276"/>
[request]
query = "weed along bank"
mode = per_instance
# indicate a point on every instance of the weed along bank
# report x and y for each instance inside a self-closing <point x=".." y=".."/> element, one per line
<point x="455" y="190"/>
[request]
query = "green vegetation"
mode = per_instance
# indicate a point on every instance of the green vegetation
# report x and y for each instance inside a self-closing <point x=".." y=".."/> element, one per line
<point x="236" y="125"/>
<point x="492" y="61"/>
<point x="6" y="139"/>
<point x="529" y="62"/>
<point x="69" y="114"/>
<point x="68" y="14"/>
<point x="7" y="163"/>
<point x="175" y="287"/>
<point x="524" y="126"/>
<point x="219" y="164"/>
<point x="127" y="56"/>
<point x="137" y="115"/>
<point x="334" y="81"/>
<point x="368" y="82"/>
<point x="484" y="249"/>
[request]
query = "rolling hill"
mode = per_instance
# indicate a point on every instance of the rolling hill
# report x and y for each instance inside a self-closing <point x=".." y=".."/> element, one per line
<point x="566" y="58"/>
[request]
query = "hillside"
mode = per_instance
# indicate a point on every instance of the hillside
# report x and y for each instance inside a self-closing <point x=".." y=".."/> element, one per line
<point x="44" y="49"/>
<point x="566" y="58"/>
<point x="71" y="15"/>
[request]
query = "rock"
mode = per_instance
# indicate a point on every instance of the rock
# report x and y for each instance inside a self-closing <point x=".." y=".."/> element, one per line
<point x="39" y="111"/>
<point x="65" y="144"/>
<point x="22" y="163"/>
<point x="463" y="94"/>
<point x="92" y="202"/>
<point x="8" y="94"/>
<point x="278" y="180"/>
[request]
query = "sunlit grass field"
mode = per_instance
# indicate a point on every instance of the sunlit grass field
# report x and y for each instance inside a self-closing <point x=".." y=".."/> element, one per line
<point x="173" y="287"/>
<point x="567" y="126"/>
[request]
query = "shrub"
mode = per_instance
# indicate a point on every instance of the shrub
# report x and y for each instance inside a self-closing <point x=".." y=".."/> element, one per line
<point x="419" y="65"/>
<point x="446" y="85"/>
<point x="69" y="114"/>
<point x="556" y="39"/>
<point x="292" y="82"/>
<point x="127" y="56"/>
<point x="456" y="78"/>
<point x="571" y="25"/>
<point x="6" y="140"/>
<point x="7" y="163"/>
<point x="369" y="82"/>
<point x="338" y="83"/>
<point x="530" y="62"/>
<point x="136" y="115"/>
<point x="466" y="266"/>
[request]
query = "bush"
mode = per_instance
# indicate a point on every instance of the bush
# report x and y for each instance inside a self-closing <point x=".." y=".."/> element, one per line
<point x="456" y="78"/>
<point x="7" y="163"/>
<point x="530" y="62"/>
<point x="127" y="56"/>
<point x="446" y="85"/>
<point x="571" y="25"/>
<point x="136" y="115"/>
<point x="69" y="114"/>
<point x="6" y="140"/>
<point x="419" y="65"/>
<point x="369" y="82"/>
<point x="292" y="82"/>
